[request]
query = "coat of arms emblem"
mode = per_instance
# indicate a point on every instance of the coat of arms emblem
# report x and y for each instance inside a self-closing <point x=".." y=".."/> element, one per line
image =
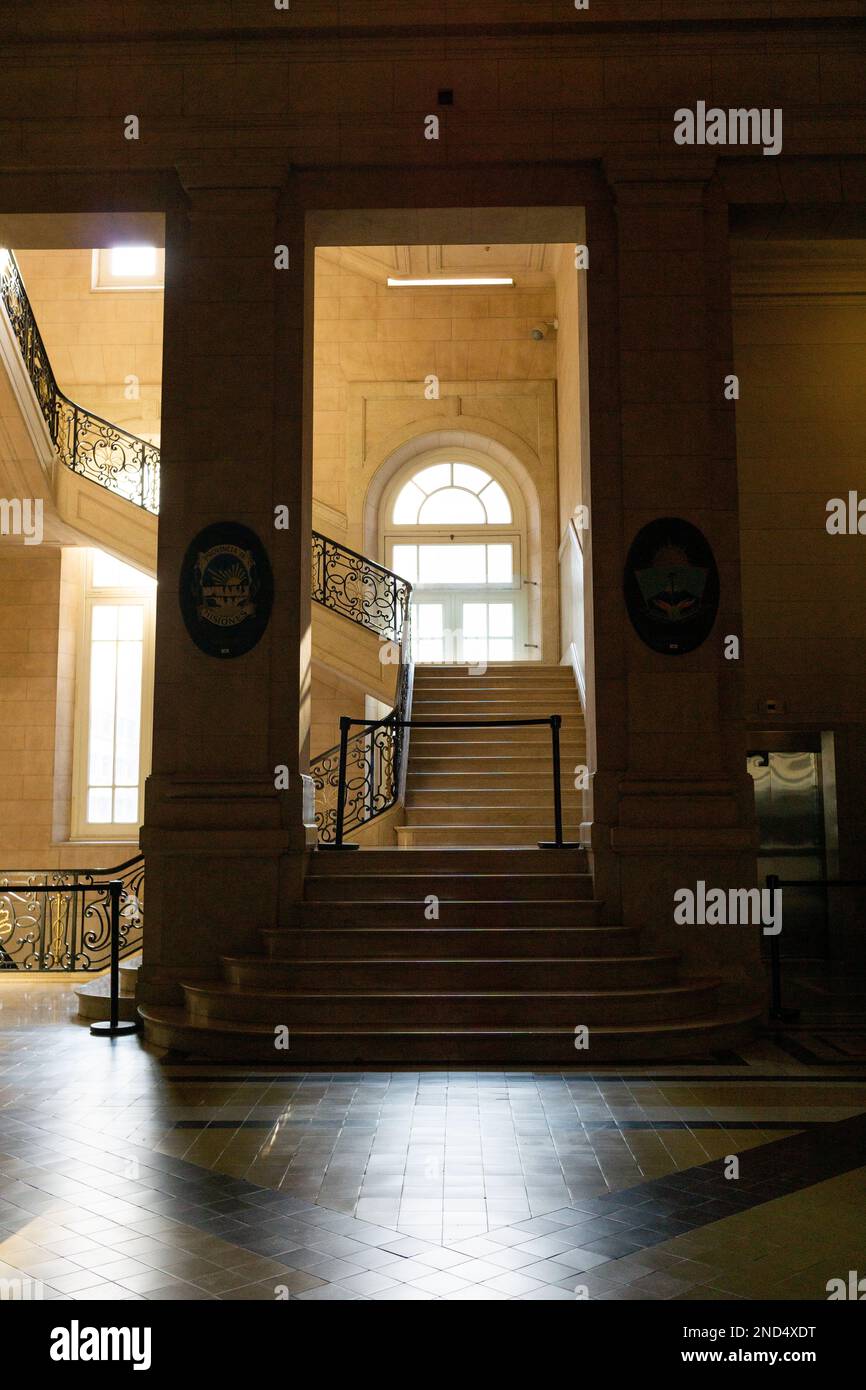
<point x="226" y="589"/>
<point x="227" y="585"/>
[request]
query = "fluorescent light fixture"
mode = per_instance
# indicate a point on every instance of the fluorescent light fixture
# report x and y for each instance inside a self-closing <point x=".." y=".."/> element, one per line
<point x="455" y="282"/>
<point x="133" y="260"/>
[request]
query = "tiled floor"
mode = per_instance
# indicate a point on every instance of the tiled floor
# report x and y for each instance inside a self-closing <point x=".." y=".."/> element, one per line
<point x="124" y="1178"/>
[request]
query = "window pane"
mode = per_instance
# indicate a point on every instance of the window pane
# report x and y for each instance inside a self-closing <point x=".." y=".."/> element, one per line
<point x="404" y="561"/>
<point x="99" y="805"/>
<point x="501" y="649"/>
<point x="406" y="507"/>
<point x="497" y="504"/>
<point x="130" y="622"/>
<point x="500" y="564"/>
<point x="128" y="720"/>
<point x="452" y="506"/>
<point x="474" y="620"/>
<point x="126" y="806"/>
<point x="501" y="620"/>
<point x="430" y="479"/>
<point x="101" y="732"/>
<point x="474" y="649"/>
<point x="428" y="619"/>
<point x="103" y="626"/>
<point x="472" y="478"/>
<point x="133" y="260"/>
<point x="451" y="564"/>
<point x="108" y="573"/>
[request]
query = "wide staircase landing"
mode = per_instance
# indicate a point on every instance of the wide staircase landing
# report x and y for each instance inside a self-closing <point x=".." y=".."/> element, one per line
<point x="464" y="956"/>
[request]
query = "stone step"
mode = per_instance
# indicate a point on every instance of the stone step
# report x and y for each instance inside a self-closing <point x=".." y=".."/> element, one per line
<point x="419" y="886"/>
<point x="501" y="783"/>
<point x="518" y="836"/>
<point x="94" y="997"/>
<point x="686" y="1039"/>
<point x="463" y="913"/>
<point x="503" y="814"/>
<point x="464" y="1008"/>
<point x="464" y="973"/>
<point x="421" y="762"/>
<point x="538" y="738"/>
<point x="431" y="941"/>
<point x="437" y="799"/>
<point x="377" y="862"/>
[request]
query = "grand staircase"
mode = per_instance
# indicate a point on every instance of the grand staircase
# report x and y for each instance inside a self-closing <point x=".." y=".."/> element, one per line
<point x="467" y="944"/>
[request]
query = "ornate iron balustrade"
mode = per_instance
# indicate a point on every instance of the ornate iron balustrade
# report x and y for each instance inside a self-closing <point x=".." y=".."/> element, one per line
<point x="374" y="759"/>
<point x="85" y="443"/>
<point x="57" y="930"/>
<point x="359" y="589"/>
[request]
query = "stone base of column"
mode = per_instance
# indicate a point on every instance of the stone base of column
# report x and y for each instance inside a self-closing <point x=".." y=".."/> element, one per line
<point x="223" y="858"/>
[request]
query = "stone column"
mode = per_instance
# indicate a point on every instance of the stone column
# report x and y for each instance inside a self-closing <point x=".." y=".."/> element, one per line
<point x="672" y="798"/>
<point x="223" y="846"/>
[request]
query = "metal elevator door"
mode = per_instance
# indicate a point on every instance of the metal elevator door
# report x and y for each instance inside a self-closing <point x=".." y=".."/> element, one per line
<point x="790" y="814"/>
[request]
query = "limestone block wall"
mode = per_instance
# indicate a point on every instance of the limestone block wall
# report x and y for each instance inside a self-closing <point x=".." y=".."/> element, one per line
<point x="800" y="342"/>
<point x="40" y="596"/>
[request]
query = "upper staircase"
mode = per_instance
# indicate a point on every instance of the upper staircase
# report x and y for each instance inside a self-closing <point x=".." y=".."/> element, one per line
<point x="491" y="786"/>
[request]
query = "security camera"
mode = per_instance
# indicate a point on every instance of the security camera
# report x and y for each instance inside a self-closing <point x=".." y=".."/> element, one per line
<point x="544" y="330"/>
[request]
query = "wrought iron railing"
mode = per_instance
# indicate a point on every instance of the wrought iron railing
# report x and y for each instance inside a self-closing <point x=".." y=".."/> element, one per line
<point x="359" y="589"/>
<point x="373" y="762"/>
<point x="61" y="930"/>
<point x="85" y="443"/>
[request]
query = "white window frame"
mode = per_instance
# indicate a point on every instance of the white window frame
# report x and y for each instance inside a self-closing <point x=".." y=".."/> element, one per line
<point x="447" y="591"/>
<point x="81" y="828"/>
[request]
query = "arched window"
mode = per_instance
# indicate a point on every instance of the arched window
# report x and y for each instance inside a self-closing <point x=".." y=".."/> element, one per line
<point x="456" y="531"/>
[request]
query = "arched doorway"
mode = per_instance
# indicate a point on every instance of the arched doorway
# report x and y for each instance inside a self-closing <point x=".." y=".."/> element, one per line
<point x="453" y="524"/>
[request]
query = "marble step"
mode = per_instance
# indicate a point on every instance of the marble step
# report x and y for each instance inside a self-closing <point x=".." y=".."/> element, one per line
<point x="484" y="836"/>
<point x="432" y="941"/>
<point x="464" y="973"/>
<point x="477" y="914"/>
<point x="460" y="1008"/>
<point x="415" y="887"/>
<point x="375" y="862"/>
<point x="683" y="1040"/>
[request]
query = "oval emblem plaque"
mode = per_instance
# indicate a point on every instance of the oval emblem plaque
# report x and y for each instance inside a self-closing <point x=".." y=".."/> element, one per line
<point x="226" y="589"/>
<point x="671" y="586"/>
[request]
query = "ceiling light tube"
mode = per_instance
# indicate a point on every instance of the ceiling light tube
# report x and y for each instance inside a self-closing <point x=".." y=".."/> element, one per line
<point x="394" y="283"/>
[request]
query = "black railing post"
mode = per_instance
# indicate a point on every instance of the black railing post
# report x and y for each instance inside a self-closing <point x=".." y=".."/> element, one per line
<point x="345" y="726"/>
<point x="113" y="1028"/>
<point x="557" y="842"/>
<point x="778" y="1014"/>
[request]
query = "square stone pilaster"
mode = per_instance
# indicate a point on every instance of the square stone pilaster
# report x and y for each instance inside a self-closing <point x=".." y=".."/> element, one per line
<point x="672" y="798"/>
<point x="224" y="848"/>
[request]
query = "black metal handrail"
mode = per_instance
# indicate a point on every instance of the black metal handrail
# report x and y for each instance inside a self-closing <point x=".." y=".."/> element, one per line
<point x="778" y="1012"/>
<point x="65" y="932"/>
<point x="378" y="755"/>
<point x="359" y="589"/>
<point x="85" y="443"/>
<point x="554" y="721"/>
